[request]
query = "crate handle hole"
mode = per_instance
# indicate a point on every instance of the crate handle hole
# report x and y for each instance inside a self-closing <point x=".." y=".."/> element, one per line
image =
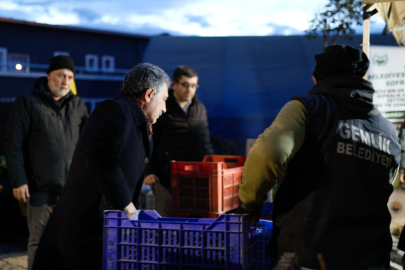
<point x="192" y="168"/>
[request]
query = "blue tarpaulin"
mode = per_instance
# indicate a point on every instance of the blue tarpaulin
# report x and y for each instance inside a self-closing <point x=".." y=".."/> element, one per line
<point x="244" y="81"/>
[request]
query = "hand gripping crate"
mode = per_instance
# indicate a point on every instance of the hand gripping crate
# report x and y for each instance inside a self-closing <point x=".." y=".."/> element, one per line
<point x="208" y="186"/>
<point x="156" y="243"/>
<point x="264" y="229"/>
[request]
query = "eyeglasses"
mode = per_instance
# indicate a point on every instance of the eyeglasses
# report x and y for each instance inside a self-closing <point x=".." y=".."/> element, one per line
<point x="187" y="85"/>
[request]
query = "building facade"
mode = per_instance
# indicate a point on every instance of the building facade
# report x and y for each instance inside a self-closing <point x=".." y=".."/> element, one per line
<point x="102" y="60"/>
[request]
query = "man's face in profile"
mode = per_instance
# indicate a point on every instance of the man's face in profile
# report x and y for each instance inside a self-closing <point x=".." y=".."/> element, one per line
<point x="157" y="105"/>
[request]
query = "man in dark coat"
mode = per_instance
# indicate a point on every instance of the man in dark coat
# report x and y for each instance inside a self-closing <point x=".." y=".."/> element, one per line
<point x="181" y="134"/>
<point x="333" y="155"/>
<point x="40" y="139"/>
<point x="107" y="171"/>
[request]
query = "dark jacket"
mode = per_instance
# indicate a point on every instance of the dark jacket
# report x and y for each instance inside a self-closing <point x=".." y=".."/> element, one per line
<point x="41" y="137"/>
<point x="333" y="199"/>
<point x="109" y="165"/>
<point x="402" y="141"/>
<point x="179" y="137"/>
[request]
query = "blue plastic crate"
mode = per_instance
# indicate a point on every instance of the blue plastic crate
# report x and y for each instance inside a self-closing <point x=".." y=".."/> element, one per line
<point x="264" y="229"/>
<point x="267" y="211"/>
<point x="155" y="243"/>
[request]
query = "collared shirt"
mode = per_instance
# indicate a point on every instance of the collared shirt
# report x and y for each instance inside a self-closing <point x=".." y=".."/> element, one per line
<point x="185" y="109"/>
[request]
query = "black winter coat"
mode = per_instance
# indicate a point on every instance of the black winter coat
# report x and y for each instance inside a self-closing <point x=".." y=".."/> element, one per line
<point x="402" y="141"/>
<point x="41" y="137"/>
<point x="109" y="164"/>
<point x="180" y="137"/>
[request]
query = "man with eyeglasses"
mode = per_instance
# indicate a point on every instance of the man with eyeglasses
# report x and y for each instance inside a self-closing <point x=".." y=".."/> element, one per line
<point x="180" y="134"/>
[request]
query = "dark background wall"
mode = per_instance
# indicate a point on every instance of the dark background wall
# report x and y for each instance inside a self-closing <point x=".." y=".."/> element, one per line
<point x="245" y="81"/>
<point x="40" y="42"/>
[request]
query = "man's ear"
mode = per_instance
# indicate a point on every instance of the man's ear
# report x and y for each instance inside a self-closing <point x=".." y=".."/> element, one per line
<point x="148" y="95"/>
<point x="315" y="80"/>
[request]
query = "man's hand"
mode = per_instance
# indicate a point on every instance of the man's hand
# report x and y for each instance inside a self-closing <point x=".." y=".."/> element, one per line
<point x="254" y="215"/>
<point x="129" y="210"/>
<point x="21" y="193"/>
<point x="401" y="177"/>
<point x="151" y="179"/>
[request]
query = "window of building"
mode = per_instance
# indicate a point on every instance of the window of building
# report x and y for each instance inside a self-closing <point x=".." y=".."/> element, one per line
<point x="3" y="59"/>
<point x="56" y="53"/>
<point x="107" y="63"/>
<point x="18" y="62"/>
<point x="92" y="62"/>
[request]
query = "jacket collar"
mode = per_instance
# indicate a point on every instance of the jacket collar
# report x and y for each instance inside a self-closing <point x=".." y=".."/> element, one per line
<point x="139" y="118"/>
<point x="137" y="113"/>
<point x="353" y="92"/>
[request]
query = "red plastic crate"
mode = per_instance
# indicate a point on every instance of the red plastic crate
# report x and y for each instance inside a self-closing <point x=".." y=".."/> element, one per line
<point x="208" y="186"/>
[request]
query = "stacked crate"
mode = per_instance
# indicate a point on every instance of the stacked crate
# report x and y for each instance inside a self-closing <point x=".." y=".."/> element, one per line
<point x="206" y="189"/>
<point x="264" y="229"/>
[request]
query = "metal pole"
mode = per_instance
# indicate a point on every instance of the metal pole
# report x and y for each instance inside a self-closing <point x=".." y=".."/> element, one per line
<point x="366" y="39"/>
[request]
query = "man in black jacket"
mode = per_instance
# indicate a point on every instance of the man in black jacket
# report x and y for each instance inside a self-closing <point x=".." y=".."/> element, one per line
<point x="107" y="172"/>
<point x="333" y="156"/>
<point x="181" y="134"/>
<point x="40" y="138"/>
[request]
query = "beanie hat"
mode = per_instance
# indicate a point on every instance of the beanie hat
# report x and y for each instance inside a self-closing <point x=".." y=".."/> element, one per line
<point x="340" y="60"/>
<point x="61" y="61"/>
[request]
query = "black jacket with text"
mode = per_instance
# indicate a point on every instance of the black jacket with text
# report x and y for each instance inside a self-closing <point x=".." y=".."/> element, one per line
<point x="333" y="199"/>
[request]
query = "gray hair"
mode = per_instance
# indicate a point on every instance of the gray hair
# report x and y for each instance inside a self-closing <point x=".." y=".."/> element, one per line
<point x="144" y="76"/>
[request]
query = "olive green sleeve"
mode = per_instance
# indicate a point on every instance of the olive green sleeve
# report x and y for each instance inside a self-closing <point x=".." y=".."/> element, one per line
<point x="396" y="183"/>
<point x="274" y="148"/>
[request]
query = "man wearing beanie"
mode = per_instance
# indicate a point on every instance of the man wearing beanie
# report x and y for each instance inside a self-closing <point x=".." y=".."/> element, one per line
<point x="332" y="156"/>
<point x="40" y="138"/>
